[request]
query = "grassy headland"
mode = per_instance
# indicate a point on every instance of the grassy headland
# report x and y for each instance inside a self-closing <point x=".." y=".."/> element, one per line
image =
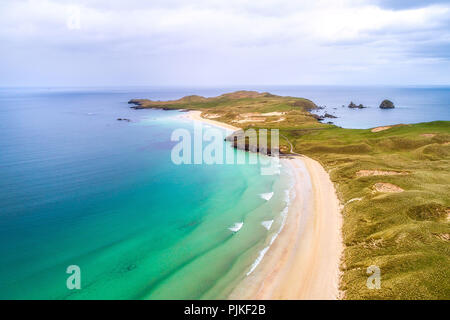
<point x="393" y="184"/>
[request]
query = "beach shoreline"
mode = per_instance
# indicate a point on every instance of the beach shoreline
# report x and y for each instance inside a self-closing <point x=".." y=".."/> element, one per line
<point x="196" y="116"/>
<point x="304" y="260"/>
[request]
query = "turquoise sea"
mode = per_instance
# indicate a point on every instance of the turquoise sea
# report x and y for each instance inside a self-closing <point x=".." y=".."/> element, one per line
<point x="80" y="188"/>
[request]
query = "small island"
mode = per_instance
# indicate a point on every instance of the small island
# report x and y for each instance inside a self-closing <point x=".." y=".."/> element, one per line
<point x="354" y="106"/>
<point x="387" y="104"/>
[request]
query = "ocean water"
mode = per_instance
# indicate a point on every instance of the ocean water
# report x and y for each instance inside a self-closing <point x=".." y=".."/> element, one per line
<point x="412" y="104"/>
<point x="81" y="188"/>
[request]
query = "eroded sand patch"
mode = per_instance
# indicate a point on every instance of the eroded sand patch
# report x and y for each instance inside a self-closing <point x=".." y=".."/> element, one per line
<point x="442" y="236"/>
<point x="367" y="173"/>
<point x="259" y="117"/>
<point x="386" y="187"/>
<point x="279" y="120"/>
<point x="354" y="199"/>
<point x="272" y="114"/>
<point x="373" y="244"/>
<point x="428" y="135"/>
<point x="378" y="129"/>
<point x="211" y="116"/>
<point x="249" y="120"/>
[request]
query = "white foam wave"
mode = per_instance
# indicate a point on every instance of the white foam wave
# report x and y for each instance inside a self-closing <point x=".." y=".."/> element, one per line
<point x="236" y="227"/>
<point x="266" y="196"/>
<point x="258" y="260"/>
<point x="267" y="224"/>
<point x="290" y="192"/>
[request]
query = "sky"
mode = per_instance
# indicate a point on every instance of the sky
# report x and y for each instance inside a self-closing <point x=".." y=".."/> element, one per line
<point x="224" y="42"/>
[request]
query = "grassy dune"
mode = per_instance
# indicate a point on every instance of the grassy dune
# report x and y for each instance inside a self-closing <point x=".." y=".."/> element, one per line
<point x="405" y="233"/>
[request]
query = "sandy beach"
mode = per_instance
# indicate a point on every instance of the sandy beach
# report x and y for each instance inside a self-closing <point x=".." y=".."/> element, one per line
<point x="303" y="262"/>
<point x="196" y="115"/>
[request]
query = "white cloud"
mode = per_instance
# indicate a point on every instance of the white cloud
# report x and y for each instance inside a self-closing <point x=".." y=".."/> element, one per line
<point x="322" y="35"/>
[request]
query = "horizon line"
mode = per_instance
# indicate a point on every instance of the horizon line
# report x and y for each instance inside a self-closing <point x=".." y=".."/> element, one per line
<point x="221" y="86"/>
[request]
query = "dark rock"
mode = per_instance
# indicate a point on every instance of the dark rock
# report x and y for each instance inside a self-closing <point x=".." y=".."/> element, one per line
<point x="242" y="142"/>
<point x="387" y="104"/>
<point x="131" y="267"/>
<point x="329" y="122"/>
<point x="354" y="106"/>
<point x="123" y="119"/>
<point x="327" y="115"/>
<point x="135" y="102"/>
<point x="138" y="103"/>
<point x="317" y="117"/>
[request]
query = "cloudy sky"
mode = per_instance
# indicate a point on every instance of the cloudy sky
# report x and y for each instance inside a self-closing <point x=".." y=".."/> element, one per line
<point x="223" y="42"/>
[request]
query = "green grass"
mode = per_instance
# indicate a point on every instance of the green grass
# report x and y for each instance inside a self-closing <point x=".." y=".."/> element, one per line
<point x="405" y="234"/>
<point x="399" y="232"/>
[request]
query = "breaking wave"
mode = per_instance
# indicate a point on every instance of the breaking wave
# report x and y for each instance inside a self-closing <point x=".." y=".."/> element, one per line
<point x="266" y="196"/>
<point x="289" y="195"/>
<point x="236" y="227"/>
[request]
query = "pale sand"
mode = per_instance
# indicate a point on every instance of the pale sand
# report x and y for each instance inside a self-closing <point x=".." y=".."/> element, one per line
<point x="196" y="115"/>
<point x="378" y="129"/>
<point x="428" y="135"/>
<point x="304" y="260"/>
<point x="366" y="173"/>
<point x="386" y="187"/>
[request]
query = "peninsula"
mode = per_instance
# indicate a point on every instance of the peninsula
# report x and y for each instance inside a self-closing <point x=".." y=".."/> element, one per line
<point x="391" y="194"/>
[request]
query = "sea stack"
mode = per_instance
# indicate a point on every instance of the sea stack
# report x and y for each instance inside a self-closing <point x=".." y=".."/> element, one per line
<point x="354" y="106"/>
<point x="387" y="104"/>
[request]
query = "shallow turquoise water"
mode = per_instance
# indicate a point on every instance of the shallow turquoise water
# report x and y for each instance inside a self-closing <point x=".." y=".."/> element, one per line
<point x="81" y="188"/>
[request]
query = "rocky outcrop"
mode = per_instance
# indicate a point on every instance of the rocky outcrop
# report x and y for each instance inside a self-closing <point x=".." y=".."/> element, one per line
<point x="354" y="106"/>
<point x="242" y="142"/>
<point x="123" y="119"/>
<point x="317" y="117"/>
<point x="327" y="115"/>
<point x="387" y="104"/>
<point x="138" y="103"/>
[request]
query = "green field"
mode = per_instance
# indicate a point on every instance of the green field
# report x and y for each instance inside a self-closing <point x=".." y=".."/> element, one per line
<point x="406" y="233"/>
